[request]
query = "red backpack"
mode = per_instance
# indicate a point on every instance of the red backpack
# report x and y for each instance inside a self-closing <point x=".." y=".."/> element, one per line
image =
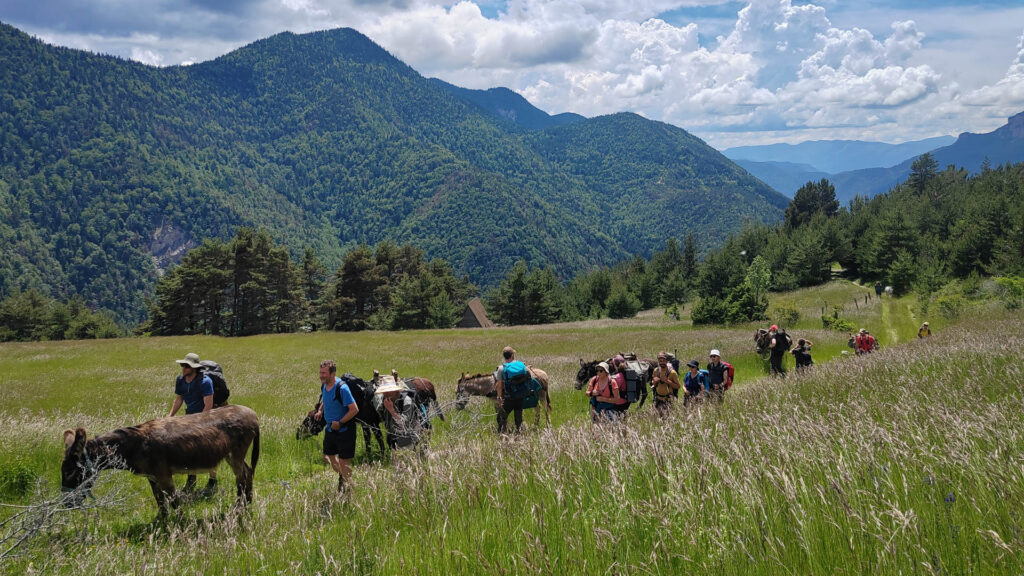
<point x="732" y="373"/>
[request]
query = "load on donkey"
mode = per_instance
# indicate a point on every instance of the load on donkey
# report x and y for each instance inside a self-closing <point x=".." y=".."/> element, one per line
<point x="421" y="389"/>
<point x="637" y="372"/>
<point x="486" y="385"/>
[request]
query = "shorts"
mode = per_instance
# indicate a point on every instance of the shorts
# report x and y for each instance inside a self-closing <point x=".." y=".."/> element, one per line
<point x="342" y="444"/>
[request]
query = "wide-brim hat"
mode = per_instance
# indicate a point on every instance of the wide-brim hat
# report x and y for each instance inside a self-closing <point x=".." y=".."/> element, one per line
<point x="191" y="359"/>
<point x="389" y="387"/>
<point x="603" y="366"/>
<point x="693" y="364"/>
<point x="715" y="352"/>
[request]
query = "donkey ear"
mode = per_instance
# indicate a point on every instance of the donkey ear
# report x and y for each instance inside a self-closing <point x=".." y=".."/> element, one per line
<point x="582" y="363"/>
<point x="69" y="439"/>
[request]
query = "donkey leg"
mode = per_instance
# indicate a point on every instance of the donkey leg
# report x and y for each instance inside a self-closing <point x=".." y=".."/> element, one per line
<point x="366" y="438"/>
<point x="163" y="491"/>
<point x="243" y="478"/>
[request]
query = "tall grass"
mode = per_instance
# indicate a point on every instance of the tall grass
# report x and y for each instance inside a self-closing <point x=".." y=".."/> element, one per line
<point x="905" y="461"/>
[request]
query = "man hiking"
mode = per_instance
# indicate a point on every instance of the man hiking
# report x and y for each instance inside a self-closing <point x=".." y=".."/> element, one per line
<point x="719" y="376"/>
<point x="337" y="409"/>
<point x="195" y="390"/>
<point x="664" y="384"/>
<point x="780" y="344"/>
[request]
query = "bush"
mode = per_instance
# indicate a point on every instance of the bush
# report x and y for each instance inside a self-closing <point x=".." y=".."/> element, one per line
<point x="785" y="315"/>
<point x="837" y="324"/>
<point x="623" y="304"/>
<point x="711" y="310"/>
<point x="673" y="312"/>
<point x="1011" y="291"/>
<point x="16" y="479"/>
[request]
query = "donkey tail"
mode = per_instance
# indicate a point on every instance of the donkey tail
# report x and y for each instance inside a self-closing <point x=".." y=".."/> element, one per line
<point x="255" y="450"/>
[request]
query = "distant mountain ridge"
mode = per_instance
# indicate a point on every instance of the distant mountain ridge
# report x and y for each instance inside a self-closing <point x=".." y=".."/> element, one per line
<point x="969" y="151"/>
<point x="109" y="167"/>
<point x="506" y="104"/>
<point x="834" y="156"/>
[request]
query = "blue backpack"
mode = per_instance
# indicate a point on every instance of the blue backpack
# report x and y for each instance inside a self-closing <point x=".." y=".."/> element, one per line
<point x="516" y="380"/>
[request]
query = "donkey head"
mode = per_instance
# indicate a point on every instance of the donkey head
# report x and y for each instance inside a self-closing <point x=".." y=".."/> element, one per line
<point x="461" y="393"/>
<point x="587" y="371"/>
<point x="76" y="471"/>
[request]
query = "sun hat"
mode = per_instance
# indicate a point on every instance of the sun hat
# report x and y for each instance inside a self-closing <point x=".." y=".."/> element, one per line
<point x="387" y="385"/>
<point x="862" y="330"/>
<point x="693" y="364"/>
<point x="925" y="323"/>
<point x="774" y="327"/>
<point x="191" y="359"/>
<point x="662" y="355"/>
<point x="603" y="366"/>
<point x="619" y="358"/>
<point x="715" y="352"/>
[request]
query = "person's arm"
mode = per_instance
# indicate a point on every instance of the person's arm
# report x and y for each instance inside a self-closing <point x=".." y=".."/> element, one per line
<point x="176" y="405"/>
<point x="208" y="403"/>
<point x="389" y="405"/>
<point x="499" y="386"/>
<point x="206" y="386"/>
<point x="353" y="409"/>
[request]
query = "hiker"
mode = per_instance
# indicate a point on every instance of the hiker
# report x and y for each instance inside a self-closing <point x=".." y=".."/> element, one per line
<point x="878" y="289"/>
<point x="619" y="376"/>
<point x="398" y="413"/>
<point x="337" y="408"/>
<point x="924" y="331"/>
<point x="696" y="384"/>
<point x="780" y="344"/>
<point x="195" y="390"/>
<point x="603" y="393"/>
<point x="719" y="376"/>
<point x="508" y="402"/>
<point x="865" y="343"/>
<point x="802" y="354"/>
<point x="664" y="384"/>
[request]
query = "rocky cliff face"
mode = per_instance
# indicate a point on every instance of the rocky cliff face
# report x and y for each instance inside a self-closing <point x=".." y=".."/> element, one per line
<point x="168" y="244"/>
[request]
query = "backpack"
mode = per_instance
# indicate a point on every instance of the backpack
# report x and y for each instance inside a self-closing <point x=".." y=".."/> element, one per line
<point x="220" y="385"/>
<point x="732" y="373"/>
<point x="674" y="361"/>
<point x="782" y="341"/>
<point x="516" y="380"/>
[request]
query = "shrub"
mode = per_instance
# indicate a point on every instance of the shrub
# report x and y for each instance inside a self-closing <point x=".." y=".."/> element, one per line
<point x="16" y="479"/>
<point x="785" y="314"/>
<point x="834" y="322"/>
<point x="711" y="310"/>
<point x="673" y="312"/>
<point x="623" y="304"/>
<point x="1011" y="291"/>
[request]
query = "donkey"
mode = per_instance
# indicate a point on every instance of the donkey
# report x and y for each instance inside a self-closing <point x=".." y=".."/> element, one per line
<point x="486" y="385"/>
<point x="589" y="369"/>
<point x="158" y="449"/>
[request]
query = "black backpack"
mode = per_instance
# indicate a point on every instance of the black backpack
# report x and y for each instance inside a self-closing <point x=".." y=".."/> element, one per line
<point x="782" y="341"/>
<point x="220" y="385"/>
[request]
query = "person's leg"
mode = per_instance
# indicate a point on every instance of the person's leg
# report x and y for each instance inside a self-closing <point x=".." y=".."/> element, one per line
<point x="346" y="452"/>
<point x="518" y="408"/>
<point x="503" y="416"/>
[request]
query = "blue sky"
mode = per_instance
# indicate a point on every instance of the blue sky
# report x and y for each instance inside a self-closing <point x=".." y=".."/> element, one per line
<point x="733" y="73"/>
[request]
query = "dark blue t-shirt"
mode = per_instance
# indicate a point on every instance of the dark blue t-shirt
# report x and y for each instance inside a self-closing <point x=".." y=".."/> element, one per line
<point x="192" y="393"/>
<point x="334" y="410"/>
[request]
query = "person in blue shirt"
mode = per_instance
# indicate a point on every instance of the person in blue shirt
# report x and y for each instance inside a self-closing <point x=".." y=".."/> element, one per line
<point x="195" y="390"/>
<point x="337" y="409"/>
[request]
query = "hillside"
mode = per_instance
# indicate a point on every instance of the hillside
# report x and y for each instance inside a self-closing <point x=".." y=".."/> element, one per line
<point x="112" y="169"/>
<point x="785" y="177"/>
<point x="510" y="106"/>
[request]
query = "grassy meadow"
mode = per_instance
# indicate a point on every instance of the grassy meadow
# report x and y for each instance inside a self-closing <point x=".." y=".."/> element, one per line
<point x="905" y="461"/>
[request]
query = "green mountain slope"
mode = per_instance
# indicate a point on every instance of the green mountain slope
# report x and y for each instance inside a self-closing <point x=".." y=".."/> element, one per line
<point x="112" y="169"/>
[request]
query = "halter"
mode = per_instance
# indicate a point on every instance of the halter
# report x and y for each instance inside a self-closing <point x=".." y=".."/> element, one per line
<point x="90" y="471"/>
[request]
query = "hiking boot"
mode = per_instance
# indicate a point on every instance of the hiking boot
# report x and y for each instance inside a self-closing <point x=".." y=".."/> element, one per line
<point x="211" y="489"/>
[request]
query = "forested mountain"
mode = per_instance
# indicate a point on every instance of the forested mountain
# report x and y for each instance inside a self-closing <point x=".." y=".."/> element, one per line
<point x="110" y="170"/>
<point x="509" y="105"/>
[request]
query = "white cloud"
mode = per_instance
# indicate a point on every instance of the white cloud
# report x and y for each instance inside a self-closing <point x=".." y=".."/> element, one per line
<point x="783" y="71"/>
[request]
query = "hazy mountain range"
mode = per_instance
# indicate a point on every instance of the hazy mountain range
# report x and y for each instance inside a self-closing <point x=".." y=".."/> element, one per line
<point x="870" y="168"/>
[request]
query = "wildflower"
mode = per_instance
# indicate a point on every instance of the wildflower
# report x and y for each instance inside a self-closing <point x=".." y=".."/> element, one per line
<point x="950" y="498"/>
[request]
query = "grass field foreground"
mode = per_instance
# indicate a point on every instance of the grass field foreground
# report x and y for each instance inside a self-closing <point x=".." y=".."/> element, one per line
<point x="906" y="461"/>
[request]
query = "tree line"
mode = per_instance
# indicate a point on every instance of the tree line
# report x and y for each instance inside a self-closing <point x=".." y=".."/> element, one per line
<point x="250" y="285"/>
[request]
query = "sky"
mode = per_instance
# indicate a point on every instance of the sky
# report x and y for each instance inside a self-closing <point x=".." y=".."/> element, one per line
<point x="733" y="73"/>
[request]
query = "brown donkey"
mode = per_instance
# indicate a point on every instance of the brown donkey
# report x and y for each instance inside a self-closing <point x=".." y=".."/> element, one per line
<point x="160" y="448"/>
